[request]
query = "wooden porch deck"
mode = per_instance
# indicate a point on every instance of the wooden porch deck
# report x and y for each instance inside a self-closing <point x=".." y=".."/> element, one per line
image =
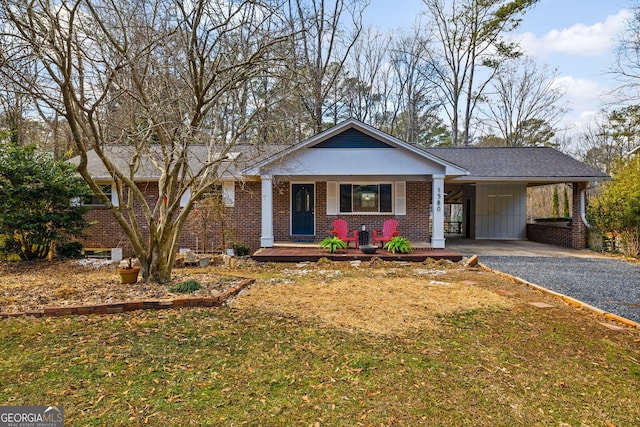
<point x="313" y="254"/>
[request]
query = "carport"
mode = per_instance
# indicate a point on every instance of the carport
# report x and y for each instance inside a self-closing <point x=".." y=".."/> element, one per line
<point x="492" y="198"/>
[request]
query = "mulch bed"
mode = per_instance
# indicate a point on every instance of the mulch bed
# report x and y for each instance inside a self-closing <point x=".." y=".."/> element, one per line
<point x="92" y="286"/>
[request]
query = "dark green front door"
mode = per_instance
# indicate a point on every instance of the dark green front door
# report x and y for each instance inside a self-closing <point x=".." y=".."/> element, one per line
<point x="302" y="209"/>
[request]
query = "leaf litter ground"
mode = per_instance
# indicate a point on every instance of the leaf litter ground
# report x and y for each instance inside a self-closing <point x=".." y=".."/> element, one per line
<point x="332" y="344"/>
<point x="33" y="285"/>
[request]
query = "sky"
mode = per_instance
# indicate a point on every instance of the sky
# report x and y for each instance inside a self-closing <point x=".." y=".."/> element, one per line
<point x="576" y="37"/>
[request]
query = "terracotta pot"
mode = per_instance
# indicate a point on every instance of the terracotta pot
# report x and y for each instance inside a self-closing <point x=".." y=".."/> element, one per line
<point x="129" y="275"/>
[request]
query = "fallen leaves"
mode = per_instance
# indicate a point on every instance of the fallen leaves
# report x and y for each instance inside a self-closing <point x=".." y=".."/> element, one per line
<point x="33" y="285"/>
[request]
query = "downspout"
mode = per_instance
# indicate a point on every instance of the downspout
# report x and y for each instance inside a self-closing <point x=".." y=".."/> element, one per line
<point x="583" y="207"/>
<point x="583" y="213"/>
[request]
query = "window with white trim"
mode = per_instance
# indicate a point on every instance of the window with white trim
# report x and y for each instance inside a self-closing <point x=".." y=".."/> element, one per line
<point x="223" y="193"/>
<point x="94" y="200"/>
<point x="366" y="198"/>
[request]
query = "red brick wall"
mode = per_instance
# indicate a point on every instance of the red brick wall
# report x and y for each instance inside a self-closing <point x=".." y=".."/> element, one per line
<point x="549" y="234"/>
<point x="414" y="225"/>
<point x="573" y="236"/>
<point x="107" y="233"/>
<point x="281" y="215"/>
<point x="242" y="222"/>
<point x="243" y="228"/>
<point x="246" y="217"/>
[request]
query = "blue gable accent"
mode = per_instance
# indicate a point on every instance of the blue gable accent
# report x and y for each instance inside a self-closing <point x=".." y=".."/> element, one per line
<point x="352" y="138"/>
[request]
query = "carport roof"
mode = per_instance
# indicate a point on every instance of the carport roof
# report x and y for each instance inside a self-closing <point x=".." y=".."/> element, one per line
<point x="523" y="164"/>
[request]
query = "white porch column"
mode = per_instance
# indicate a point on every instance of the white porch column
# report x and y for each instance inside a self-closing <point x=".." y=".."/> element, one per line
<point x="266" y="236"/>
<point x="437" y="214"/>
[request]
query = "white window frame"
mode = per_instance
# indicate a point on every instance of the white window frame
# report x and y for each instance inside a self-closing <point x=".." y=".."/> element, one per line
<point x="398" y="197"/>
<point x="228" y="195"/>
<point x="113" y="195"/>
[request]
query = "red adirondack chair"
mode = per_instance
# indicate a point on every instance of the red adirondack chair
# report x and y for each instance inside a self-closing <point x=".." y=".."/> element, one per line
<point x="389" y="229"/>
<point x="341" y="229"/>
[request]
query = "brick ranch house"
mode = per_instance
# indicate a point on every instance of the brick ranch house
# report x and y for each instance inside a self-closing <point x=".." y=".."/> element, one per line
<point x="356" y="172"/>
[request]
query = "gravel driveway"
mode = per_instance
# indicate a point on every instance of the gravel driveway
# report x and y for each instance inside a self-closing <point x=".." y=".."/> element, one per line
<point x="609" y="284"/>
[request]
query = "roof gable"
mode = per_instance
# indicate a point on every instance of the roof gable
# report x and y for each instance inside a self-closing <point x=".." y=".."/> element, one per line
<point x="364" y="147"/>
<point x="352" y="138"/>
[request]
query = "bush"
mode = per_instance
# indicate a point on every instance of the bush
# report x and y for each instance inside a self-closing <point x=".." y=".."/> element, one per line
<point x="69" y="249"/>
<point x="186" y="287"/>
<point x="616" y="209"/>
<point x="38" y="201"/>
<point x="241" y="250"/>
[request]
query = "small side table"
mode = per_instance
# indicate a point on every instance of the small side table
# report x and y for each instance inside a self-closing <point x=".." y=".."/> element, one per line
<point x="363" y="238"/>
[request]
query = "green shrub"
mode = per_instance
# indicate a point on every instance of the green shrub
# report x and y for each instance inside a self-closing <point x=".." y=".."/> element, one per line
<point x="9" y="247"/>
<point x="333" y="244"/>
<point x="615" y="211"/>
<point x="186" y="287"/>
<point x="38" y="201"/>
<point x="398" y="244"/>
<point x="69" y="249"/>
<point x="241" y="250"/>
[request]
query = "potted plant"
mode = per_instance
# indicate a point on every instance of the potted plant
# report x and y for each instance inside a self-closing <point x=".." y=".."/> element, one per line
<point x="129" y="273"/>
<point x="333" y="244"/>
<point x="398" y="244"/>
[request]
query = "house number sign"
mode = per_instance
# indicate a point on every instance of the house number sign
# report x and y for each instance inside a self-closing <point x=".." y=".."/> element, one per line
<point x="439" y="197"/>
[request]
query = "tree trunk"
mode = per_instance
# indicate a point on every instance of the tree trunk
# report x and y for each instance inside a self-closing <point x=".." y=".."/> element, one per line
<point x="159" y="266"/>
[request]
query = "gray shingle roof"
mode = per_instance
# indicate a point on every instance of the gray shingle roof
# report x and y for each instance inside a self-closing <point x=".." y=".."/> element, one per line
<point x="241" y="154"/>
<point x="530" y="164"/>
<point x="518" y="163"/>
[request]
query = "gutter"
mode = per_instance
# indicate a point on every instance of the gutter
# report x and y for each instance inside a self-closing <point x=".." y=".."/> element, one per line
<point x="583" y="207"/>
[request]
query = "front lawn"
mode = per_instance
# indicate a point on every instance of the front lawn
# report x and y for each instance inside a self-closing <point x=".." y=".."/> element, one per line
<point x="263" y="362"/>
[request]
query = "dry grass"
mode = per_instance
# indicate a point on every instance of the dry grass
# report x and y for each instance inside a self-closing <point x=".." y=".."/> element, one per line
<point x="378" y="303"/>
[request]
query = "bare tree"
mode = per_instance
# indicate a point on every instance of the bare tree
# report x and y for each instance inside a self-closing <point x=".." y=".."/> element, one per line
<point x="627" y="64"/>
<point x="610" y="137"/>
<point x="147" y="80"/>
<point x="523" y="104"/>
<point x="596" y="146"/>
<point x="415" y="92"/>
<point x="326" y="31"/>
<point x="16" y="106"/>
<point x="12" y="114"/>
<point x="365" y="73"/>
<point x="469" y="33"/>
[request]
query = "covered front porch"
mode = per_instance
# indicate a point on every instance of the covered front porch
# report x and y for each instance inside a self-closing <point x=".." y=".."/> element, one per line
<point x="356" y="173"/>
<point x="303" y="211"/>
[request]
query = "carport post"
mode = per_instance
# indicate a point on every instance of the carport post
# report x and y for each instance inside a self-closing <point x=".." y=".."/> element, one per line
<point x="437" y="212"/>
